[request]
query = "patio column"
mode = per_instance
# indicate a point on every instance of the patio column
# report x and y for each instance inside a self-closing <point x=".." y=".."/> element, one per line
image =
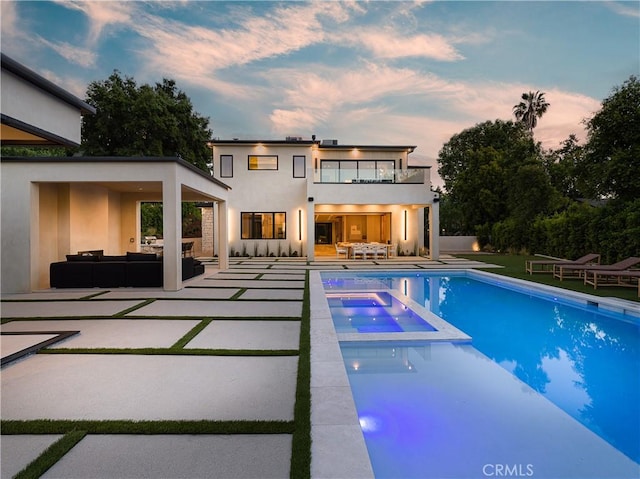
<point x="223" y="235"/>
<point x="172" y="233"/>
<point x="434" y="231"/>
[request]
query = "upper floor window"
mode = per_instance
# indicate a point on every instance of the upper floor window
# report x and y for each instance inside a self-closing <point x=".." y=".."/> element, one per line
<point x="299" y="166"/>
<point x="226" y="166"/>
<point x="263" y="162"/>
<point x="355" y="171"/>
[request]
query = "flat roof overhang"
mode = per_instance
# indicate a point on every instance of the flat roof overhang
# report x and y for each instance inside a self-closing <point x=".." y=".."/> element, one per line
<point x="14" y="132"/>
<point x="135" y="182"/>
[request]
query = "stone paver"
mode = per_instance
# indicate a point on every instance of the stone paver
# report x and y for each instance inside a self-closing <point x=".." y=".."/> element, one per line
<point x="112" y="333"/>
<point x="182" y="456"/>
<point x="45" y="309"/>
<point x="50" y="295"/>
<point x="18" y="451"/>
<point x="138" y="387"/>
<point x="236" y="334"/>
<point x="249" y="283"/>
<point x="269" y="294"/>
<point x="221" y="309"/>
<point x="188" y="292"/>
<point x="282" y="276"/>
<point x="14" y="343"/>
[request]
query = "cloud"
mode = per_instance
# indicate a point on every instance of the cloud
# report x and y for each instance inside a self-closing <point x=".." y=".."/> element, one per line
<point x="194" y="51"/>
<point x="74" y="54"/>
<point x="390" y="43"/>
<point x="404" y="106"/>
<point x="9" y="18"/>
<point x="627" y="9"/>
<point x="102" y="15"/>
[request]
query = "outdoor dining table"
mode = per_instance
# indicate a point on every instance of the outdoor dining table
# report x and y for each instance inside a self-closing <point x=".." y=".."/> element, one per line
<point x="352" y="248"/>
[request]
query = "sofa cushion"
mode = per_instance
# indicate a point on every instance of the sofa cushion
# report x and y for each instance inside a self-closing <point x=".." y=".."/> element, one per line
<point x="113" y="258"/>
<point x="83" y="258"/>
<point x="141" y="256"/>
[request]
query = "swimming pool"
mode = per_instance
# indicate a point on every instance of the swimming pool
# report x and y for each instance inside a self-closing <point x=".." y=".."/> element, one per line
<point x="535" y="361"/>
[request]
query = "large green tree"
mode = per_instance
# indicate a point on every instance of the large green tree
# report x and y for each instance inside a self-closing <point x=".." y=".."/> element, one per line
<point x="611" y="163"/>
<point x="562" y="166"/>
<point x="144" y="120"/>
<point x="532" y="107"/>
<point x="493" y="171"/>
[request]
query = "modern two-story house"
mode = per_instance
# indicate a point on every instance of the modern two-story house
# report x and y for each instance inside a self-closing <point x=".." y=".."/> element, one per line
<point x="293" y="195"/>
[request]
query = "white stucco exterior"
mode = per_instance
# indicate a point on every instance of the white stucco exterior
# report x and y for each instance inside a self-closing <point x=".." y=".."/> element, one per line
<point x="375" y="195"/>
<point x="35" y="111"/>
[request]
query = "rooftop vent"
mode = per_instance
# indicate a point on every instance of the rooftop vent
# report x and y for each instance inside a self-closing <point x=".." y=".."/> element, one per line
<point x="294" y="138"/>
<point x="329" y="142"/>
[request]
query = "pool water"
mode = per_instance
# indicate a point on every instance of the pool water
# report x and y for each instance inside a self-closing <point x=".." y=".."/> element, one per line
<point x="535" y="362"/>
<point x="376" y="312"/>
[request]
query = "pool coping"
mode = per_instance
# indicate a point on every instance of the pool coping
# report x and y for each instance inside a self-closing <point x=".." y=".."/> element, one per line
<point x="616" y="305"/>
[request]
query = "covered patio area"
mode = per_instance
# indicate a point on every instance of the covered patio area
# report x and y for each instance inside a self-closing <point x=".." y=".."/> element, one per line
<point x="52" y="207"/>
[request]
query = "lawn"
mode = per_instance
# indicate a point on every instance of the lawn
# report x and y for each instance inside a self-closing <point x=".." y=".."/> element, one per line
<point x="514" y="267"/>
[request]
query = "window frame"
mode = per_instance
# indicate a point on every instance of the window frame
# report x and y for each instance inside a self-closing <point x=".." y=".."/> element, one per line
<point x="258" y="161"/>
<point x="296" y="167"/>
<point x="251" y="234"/>
<point x="223" y="163"/>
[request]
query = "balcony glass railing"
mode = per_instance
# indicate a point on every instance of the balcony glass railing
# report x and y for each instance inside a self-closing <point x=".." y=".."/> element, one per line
<point x="364" y="176"/>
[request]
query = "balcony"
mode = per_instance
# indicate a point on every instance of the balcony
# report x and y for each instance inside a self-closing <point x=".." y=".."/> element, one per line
<point x="368" y="186"/>
<point x="367" y="176"/>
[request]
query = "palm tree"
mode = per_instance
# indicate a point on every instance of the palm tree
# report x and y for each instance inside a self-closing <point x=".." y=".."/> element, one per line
<point x="532" y="107"/>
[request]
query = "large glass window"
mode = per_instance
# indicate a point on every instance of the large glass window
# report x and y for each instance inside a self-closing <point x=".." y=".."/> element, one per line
<point x="348" y="171"/>
<point x="329" y="171"/>
<point x="264" y="225"/>
<point x="357" y="171"/>
<point x="226" y="166"/>
<point x="299" y="166"/>
<point x="263" y="162"/>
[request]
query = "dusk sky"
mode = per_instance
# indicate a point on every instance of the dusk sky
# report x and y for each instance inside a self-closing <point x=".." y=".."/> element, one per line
<point x="361" y="72"/>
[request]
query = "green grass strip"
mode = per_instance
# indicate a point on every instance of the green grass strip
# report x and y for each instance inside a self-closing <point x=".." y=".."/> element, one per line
<point x="51" y="455"/>
<point x="133" y="308"/>
<point x="173" y="351"/>
<point x="301" y="444"/>
<point x="240" y="292"/>
<point x="46" y="426"/>
<point x="184" y="340"/>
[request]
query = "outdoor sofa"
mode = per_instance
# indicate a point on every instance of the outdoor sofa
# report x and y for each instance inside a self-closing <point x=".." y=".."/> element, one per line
<point x="547" y="266"/>
<point x="130" y="270"/>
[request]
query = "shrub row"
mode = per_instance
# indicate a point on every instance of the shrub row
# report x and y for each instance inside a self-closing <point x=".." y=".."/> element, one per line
<point x="612" y="230"/>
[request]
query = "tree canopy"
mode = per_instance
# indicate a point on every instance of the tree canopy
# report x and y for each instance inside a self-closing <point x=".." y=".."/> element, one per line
<point x="610" y="166"/>
<point x="492" y="171"/>
<point x="144" y="120"/>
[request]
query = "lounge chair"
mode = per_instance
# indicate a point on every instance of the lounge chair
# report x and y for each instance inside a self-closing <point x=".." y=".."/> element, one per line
<point x="565" y="271"/>
<point x="546" y="266"/>
<point x="598" y="277"/>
